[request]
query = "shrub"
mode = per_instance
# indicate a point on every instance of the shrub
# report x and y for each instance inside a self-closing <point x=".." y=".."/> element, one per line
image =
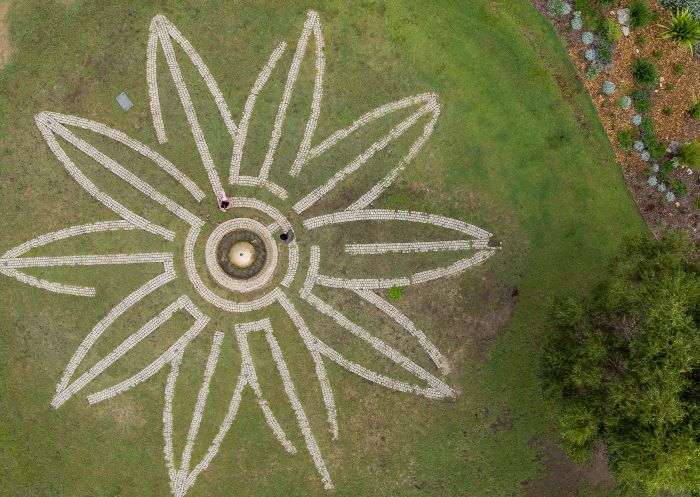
<point x="652" y="181"/>
<point x="577" y="22"/>
<point x="670" y="197"/>
<point x="696" y="203"/>
<point x="642" y="99"/>
<point x="587" y="38"/>
<point x="641" y="40"/>
<point x="589" y="55"/>
<point x="395" y="292"/>
<point x="608" y="87"/>
<point x="683" y="28"/>
<point x="611" y="31"/>
<point x="679" y="187"/>
<point x="640" y="15"/>
<point x="694" y="110"/>
<point x="692" y="5"/>
<point x="667" y="111"/>
<point x="637" y="119"/>
<point x="678" y="69"/>
<point x="657" y="54"/>
<point x="665" y="168"/>
<point x="626" y="138"/>
<point x="689" y="154"/>
<point x="558" y="8"/>
<point x="592" y="73"/>
<point x="603" y="51"/>
<point x="655" y="148"/>
<point x="647" y="125"/>
<point x="644" y="72"/>
<point x="670" y="86"/>
<point x="625" y="102"/>
<point x="621" y="367"/>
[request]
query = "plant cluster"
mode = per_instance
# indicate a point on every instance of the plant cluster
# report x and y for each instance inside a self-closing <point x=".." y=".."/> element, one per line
<point x="683" y="28"/>
<point x="623" y="367"/>
<point x="640" y="14"/>
<point x="689" y="154"/>
<point x="645" y="72"/>
<point x="558" y="8"/>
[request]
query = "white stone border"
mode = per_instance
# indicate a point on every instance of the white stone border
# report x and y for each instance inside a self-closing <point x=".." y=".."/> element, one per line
<point x="163" y="31"/>
<point x="430" y="106"/>
<point x="52" y="124"/>
<point x="436" y="389"/>
<point x="311" y="444"/>
<point x="321" y="374"/>
<point x="47" y="238"/>
<point x="312" y="25"/>
<point x="211" y="255"/>
<point x="182" y="479"/>
<point x="241" y="135"/>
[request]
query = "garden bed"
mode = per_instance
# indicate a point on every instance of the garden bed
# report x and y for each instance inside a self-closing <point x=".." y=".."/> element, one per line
<point x="671" y="97"/>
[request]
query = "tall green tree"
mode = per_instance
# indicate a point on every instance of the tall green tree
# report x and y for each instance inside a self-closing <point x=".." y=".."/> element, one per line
<point x="623" y="367"/>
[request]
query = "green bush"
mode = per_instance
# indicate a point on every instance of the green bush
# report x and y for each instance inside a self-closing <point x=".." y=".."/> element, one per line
<point x="640" y="15"/>
<point x="679" y="187"/>
<point x="644" y="72"/>
<point x="395" y="292"/>
<point x="696" y="203"/>
<point x="642" y="99"/>
<point x="667" y="111"/>
<point x="611" y="31"/>
<point x="591" y="72"/>
<point x="682" y="28"/>
<point x="678" y="69"/>
<point x="689" y="154"/>
<point x="626" y="138"/>
<point x="694" y="110"/>
<point x="622" y="366"/>
<point x="647" y="125"/>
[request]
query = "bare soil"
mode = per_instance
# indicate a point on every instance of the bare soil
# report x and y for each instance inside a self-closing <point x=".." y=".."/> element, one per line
<point x="677" y="88"/>
<point x="6" y="48"/>
<point x="563" y="478"/>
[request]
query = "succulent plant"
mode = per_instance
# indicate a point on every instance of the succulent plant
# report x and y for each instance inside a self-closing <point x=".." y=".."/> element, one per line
<point x="592" y="72"/>
<point x="577" y="22"/>
<point x="638" y="146"/>
<point x="558" y="8"/>
<point x="661" y="187"/>
<point x="589" y="55"/>
<point x="645" y="155"/>
<point x="652" y="181"/>
<point x="625" y="102"/>
<point x="670" y="197"/>
<point x="637" y="119"/>
<point x="608" y="87"/>
<point x="655" y="168"/>
<point x="587" y="38"/>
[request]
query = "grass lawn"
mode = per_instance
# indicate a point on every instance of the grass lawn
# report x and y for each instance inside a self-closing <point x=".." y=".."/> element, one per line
<point x="518" y="151"/>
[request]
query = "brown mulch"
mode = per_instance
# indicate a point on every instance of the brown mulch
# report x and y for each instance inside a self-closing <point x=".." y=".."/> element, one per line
<point x="671" y="99"/>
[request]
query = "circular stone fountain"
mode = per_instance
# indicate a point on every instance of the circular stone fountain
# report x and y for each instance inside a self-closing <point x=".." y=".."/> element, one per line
<point x="241" y="254"/>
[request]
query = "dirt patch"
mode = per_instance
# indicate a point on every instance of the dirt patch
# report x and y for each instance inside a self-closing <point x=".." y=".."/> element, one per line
<point x="679" y="73"/>
<point x="563" y="478"/>
<point x="6" y="48"/>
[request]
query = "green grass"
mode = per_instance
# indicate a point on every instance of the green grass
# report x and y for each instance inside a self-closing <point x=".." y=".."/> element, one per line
<point x="518" y="150"/>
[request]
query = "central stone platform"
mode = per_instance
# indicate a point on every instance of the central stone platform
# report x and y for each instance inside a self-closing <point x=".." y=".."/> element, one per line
<point x="241" y="254"/>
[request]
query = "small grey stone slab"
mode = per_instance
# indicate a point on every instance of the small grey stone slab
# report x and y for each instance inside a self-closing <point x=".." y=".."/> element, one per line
<point x="124" y="101"/>
<point x="623" y="16"/>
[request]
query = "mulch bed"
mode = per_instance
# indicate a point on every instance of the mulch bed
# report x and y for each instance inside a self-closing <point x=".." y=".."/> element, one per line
<point x="674" y="93"/>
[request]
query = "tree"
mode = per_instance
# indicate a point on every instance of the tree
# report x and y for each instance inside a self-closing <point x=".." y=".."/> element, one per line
<point x="623" y="367"/>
